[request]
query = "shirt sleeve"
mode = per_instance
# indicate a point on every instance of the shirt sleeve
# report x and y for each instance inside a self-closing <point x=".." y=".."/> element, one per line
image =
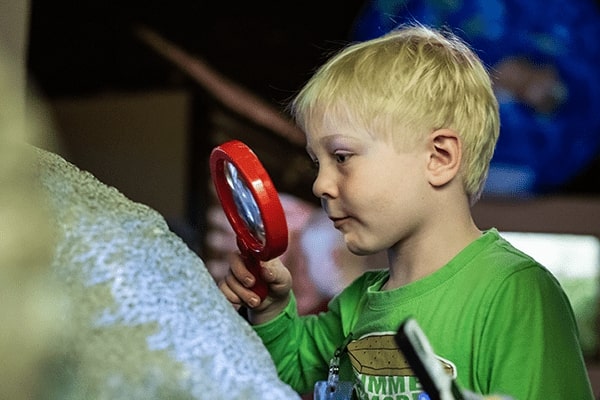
<point x="532" y="351"/>
<point x="301" y="346"/>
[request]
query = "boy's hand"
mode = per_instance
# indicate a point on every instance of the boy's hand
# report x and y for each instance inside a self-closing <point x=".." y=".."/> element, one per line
<point x="237" y="288"/>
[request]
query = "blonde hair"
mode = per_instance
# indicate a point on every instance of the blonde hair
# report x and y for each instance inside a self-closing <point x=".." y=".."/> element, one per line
<point x="412" y="80"/>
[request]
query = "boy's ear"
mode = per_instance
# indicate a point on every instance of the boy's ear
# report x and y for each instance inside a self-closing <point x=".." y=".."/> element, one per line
<point x="445" y="154"/>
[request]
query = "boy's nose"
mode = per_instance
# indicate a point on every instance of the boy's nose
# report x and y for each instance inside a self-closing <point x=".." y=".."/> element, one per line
<point x="323" y="186"/>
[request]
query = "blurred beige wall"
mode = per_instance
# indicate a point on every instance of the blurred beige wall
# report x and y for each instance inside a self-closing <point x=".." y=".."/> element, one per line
<point x="14" y="38"/>
<point x="136" y="142"/>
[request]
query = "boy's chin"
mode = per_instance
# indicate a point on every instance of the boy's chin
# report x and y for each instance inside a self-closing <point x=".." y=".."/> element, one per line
<point x="359" y="249"/>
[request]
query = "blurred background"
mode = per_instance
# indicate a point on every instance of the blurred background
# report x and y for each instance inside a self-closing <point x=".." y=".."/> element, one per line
<point x="144" y="123"/>
<point x="140" y="92"/>
<point x="140" y="122"/>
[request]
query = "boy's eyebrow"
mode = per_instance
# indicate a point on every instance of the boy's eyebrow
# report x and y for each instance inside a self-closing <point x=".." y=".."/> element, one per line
<point x="328" y="139"/>
<point x="320" y="141"/>
<point x="337" y="138"/>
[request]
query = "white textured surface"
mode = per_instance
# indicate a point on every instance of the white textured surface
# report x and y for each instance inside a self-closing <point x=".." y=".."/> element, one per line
<point x="146" y="317"/>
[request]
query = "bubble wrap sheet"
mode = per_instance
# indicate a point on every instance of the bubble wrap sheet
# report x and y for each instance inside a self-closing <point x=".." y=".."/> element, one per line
<point x="146" y="319"/>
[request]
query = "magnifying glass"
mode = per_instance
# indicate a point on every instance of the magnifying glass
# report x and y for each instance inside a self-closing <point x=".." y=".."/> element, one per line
<point x="252" y="206"/>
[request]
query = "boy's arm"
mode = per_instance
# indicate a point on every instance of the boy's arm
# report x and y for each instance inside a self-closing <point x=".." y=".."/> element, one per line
<point x="532" y="350"/>
<point x="301" y="346"/>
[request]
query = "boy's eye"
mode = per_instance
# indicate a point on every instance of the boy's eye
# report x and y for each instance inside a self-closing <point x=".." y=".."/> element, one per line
<point x="341" y="157"/>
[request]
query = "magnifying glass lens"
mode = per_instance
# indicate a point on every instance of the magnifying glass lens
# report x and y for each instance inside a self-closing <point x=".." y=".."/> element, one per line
<point x="245" y="203"/>
<point x="251" y="205"/>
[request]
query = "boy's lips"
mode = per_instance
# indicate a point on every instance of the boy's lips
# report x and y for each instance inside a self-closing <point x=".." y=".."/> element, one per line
<point x="338" y="221"/>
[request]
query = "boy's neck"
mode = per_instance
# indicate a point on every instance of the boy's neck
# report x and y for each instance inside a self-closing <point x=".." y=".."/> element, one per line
<point x="428" y="251"/>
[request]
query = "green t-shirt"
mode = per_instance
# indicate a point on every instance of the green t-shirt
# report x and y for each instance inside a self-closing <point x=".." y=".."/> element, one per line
<point x="497" y="320"/>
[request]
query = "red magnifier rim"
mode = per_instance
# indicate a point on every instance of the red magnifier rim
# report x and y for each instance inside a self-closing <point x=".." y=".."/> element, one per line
<point x="263" y="191"/>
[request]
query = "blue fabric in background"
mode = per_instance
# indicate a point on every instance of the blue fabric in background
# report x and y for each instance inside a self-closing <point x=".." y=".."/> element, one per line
<point x="536" y="153"/>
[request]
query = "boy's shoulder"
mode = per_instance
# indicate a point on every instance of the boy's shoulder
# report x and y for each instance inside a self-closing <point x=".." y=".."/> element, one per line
<point x="499" y="251"/>
<point x="495" y="256"/>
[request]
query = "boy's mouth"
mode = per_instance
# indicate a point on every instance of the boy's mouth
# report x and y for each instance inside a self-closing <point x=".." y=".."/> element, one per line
<point x="338" y="221"/>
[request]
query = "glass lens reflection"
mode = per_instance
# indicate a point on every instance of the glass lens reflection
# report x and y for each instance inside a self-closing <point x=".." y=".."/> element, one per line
<point x="245" y="203"/>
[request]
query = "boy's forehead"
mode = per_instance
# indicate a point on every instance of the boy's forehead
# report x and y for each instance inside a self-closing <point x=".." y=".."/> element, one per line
<point x="333" y="119"/>
<point x="332" y="135"/>
<point x="330" y="125"/>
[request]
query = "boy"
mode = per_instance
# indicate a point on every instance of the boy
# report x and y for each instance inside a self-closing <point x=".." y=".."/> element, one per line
<point x="402" y="129"/>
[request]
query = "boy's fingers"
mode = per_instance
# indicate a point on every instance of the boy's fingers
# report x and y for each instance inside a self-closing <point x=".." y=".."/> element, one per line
<point x="271" y="270"/>
<point x="228" y="293"/>
<point x="237" y="284"/>
<point x="277" y="276"/>
<point x="240" y="271"/>
<point x="239" y="294"/>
